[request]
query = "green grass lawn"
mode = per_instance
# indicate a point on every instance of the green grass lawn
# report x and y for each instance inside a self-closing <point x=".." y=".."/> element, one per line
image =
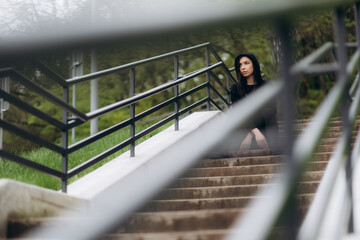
<point x="11" y="170"/>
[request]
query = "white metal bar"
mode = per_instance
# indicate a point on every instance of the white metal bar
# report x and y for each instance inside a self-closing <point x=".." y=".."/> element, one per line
<point x="135" y="23"/>
<point x="94" y="123"/>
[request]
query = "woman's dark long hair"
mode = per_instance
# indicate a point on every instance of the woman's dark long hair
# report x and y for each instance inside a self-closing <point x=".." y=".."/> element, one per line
<point x="242" y="84"/>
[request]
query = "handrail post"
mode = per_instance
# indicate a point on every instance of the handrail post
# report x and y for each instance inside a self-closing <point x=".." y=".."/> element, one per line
<point x="65" y="142"/>
<point x="94" y="96"/>
<point x="132" y="112"/>
<point x="176" y="92"/>
<point x="342" y="77"/>
<point x="288" y="113"/>
<point x="4" y="106"/>
<point x="208" y="78"/>
<point x="76" y="70"/>
<point x="287" y="94"/>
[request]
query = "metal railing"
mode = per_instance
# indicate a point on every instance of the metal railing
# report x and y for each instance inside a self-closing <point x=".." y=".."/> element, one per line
<point x="298" y="152"/>
<point x="305" y="146"/>
<point x="81" y="118"/>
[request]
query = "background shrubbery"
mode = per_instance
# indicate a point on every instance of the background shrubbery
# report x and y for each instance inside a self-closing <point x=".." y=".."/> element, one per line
<point x="309" y="32"/>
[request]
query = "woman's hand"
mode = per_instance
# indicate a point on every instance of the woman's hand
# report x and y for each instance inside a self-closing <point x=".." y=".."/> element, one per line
<point x="260" y="138"/>
<point x="246" y="143"/>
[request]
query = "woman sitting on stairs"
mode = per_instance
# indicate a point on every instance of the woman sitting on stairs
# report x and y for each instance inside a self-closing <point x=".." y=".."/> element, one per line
<point x="263" y="132"/>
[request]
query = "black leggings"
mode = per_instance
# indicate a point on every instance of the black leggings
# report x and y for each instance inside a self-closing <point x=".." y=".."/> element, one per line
<point x="266" y="122"/>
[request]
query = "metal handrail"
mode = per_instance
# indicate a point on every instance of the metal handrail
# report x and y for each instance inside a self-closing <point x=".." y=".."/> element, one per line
<point x="280" y="189"/>
<point x="303" y="148"/>
<point x="49" y="72"/>
<point x="18" y="131"/>
<point x="26" y="82"/>
<point x="79" y="117"/>
<point x="354" y="86"/>
<point x="105" y="212"/>
<point x="106" y="132"/>
<point x="353" y="62"/>
<point x="26" y="107"/>
<point x="105" y="72"/>
<point x="315" y="56"/>
<point x="311" y="225"/>
<point x="101" y="111"/>
<point x="224" y="67"/>
<point x="31" y="164"/>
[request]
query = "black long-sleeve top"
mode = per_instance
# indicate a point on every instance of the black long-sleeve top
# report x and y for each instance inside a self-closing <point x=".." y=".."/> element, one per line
<point x="268" y="115"/>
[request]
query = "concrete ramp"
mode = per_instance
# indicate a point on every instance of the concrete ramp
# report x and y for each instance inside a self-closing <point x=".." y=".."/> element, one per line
<point x="122" y="167"/>
<point x="22" y="201"/>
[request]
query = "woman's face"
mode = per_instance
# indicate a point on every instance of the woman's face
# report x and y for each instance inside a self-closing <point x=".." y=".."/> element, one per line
<point x="246" y="67"/>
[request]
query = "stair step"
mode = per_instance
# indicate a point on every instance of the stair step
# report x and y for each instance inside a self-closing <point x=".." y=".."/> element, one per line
<point x="333" y="141"/>
<point x="254" y="160"/>
<point x="333" y="128"/>
<point x="196" y="204"/>
<point x="233" y="171"/>
<point x="236" y="180"/>
<point x="239" y="161"/>
<point x="319" y="156"/>
<point x="209" y="234"/>
<point x="215" y="234"/>
<point x="210" y="203"/>
<point x="17" y="227"/>
<point x="203" y="203"/>
<point x="246" y="170"/>
<point x="327" y="145"/>
<point x="301" y="123"/>
<point x="180" y="220"/>
<point x="337" y="134"/>
<point x="224" y="191"/>
<point x="222" y="180"/>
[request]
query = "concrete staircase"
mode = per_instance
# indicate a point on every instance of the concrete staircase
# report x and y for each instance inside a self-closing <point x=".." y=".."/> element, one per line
<point x="205" y="201"/>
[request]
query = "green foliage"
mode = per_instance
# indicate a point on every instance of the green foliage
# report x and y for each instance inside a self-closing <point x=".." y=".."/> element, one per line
<point x="309" y="32"/>
<point x="307" y="105"/>
<point x="52" y="160"/>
